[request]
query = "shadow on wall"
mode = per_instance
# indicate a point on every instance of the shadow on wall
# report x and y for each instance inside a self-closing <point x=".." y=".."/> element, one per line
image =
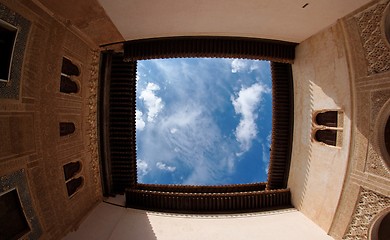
<point x="304" y="145"/>
<point x="111" y="222"/>
<point x="134" y="225"/>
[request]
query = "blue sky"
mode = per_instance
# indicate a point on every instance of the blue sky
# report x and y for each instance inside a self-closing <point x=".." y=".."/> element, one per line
<point x="203" y="121"/>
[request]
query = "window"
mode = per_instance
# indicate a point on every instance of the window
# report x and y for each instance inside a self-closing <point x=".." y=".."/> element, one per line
<point x="66" y="128"/>
<point x="328" y="118"/>
<point x="69" y="71"/>
<point x="13" y="221"/>
<point x="328" y="127"/>
<point x="380" y="227"/>
<point x="72" y="179"/>
<point x="387" y="135"/>
<point x="71" y="169"/>
<point x="12" y="52"/>
<point x="327" y="136"/>
<point x="386" y="24"/>
<point x="73" y="185"/>
<point x="7" y="42"/>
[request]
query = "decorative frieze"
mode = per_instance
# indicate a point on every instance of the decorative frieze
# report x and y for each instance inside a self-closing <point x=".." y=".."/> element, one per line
<point x="92" y="122"/>
<point x="373" y="40"/>
<point x="368" y="206"/>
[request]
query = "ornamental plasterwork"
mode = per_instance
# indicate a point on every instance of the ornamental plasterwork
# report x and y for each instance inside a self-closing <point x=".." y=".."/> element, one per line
<point x="92" y="121"/>
<point x="369" y="205"/>
<point x="375" y="160"/>
<point x="375" y="48"/>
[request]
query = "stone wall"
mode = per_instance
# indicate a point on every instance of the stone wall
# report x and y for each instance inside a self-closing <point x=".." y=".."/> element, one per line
<point x="366" y="191"/>
<point x="29" y="123"/>
<point x="345" y="67"/>
<point x="321" y="83"/>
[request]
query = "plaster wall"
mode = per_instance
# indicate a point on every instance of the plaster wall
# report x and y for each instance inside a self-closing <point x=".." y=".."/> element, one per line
<point x="112" y="222"/>
<point x="321" y="82"/>
<point x="288" y="20"/>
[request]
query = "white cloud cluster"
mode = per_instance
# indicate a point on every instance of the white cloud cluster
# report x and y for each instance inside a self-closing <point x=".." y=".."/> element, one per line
<point x="241" y="65"/>
<point x="153" y="103"/>
<point x="139" y="121"/>
<point x="246" y="104"/>
<point x="142" y="168"/>
<point x="165" y="167"/>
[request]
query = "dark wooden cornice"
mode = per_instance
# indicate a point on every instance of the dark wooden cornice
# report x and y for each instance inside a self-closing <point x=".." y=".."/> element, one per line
<point x="204" y="46"/>
<point x="208" y="202"/>
<point x="120" y="140"/>
<point x="203" y="189"/>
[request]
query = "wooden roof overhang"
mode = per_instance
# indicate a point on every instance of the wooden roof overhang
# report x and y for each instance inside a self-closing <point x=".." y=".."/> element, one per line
<point x="119" y="145"/>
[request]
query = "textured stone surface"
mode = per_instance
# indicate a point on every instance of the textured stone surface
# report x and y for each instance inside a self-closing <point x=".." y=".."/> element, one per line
<point x="369" y="60"/>
<point x="318" y="170"/>
<point x="376" y="51"/>
<point x="368" y="206"/>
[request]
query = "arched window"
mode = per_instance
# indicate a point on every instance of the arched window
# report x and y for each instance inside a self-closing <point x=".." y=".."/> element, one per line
<point x="387" y="136"/>
<point x="72" y="179"/>
<point x="328" y="127"/>
<point x="68" y="86"/>
<point x="328" y="118"/>
<point x="327" y="136"/>
<point x="386" y="23"/>
<point x="380" y="228"/>
<point x="73" y="185"/>
<point x="66" y="128"/>
<point x="68" y="71"/>
<point x="71" y="169"/>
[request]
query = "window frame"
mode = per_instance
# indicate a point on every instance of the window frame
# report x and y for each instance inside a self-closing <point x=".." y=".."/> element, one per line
<point x="21" y="212"/>
<point x="13" y="28"/>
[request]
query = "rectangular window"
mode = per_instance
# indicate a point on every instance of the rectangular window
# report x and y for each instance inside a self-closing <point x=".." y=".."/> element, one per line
<point x="7" y="43"/>
<point x="13" y="221"/>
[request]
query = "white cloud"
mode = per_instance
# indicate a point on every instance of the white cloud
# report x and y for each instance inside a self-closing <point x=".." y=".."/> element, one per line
<point x="142" y="168"/>
<point x="241" y="65"/>
<point x="153" y="103"/>
<point x="165" y="167"/>
<point x="238" y="65"/>
<point x="139" y="121"/>
<point x="173" y="130"/>
<point x="246" y="104"/>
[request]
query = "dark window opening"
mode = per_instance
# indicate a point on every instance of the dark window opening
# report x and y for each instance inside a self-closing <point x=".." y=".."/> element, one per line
<point x="73" y="185"/>
<point x="328" y="118"/>
<point x="68" y="85"/>
<point x="387" y="23"/>
<point x="69" y="69"/>
<point x="66" y="128"/>
<point x="71" y="169"/>
<point x="7" y="41"/>
<point x="387" y="135"/>
<point x="13" y="221"/>
<point x="384" y="228"/>
<point x="327" y="136"/>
